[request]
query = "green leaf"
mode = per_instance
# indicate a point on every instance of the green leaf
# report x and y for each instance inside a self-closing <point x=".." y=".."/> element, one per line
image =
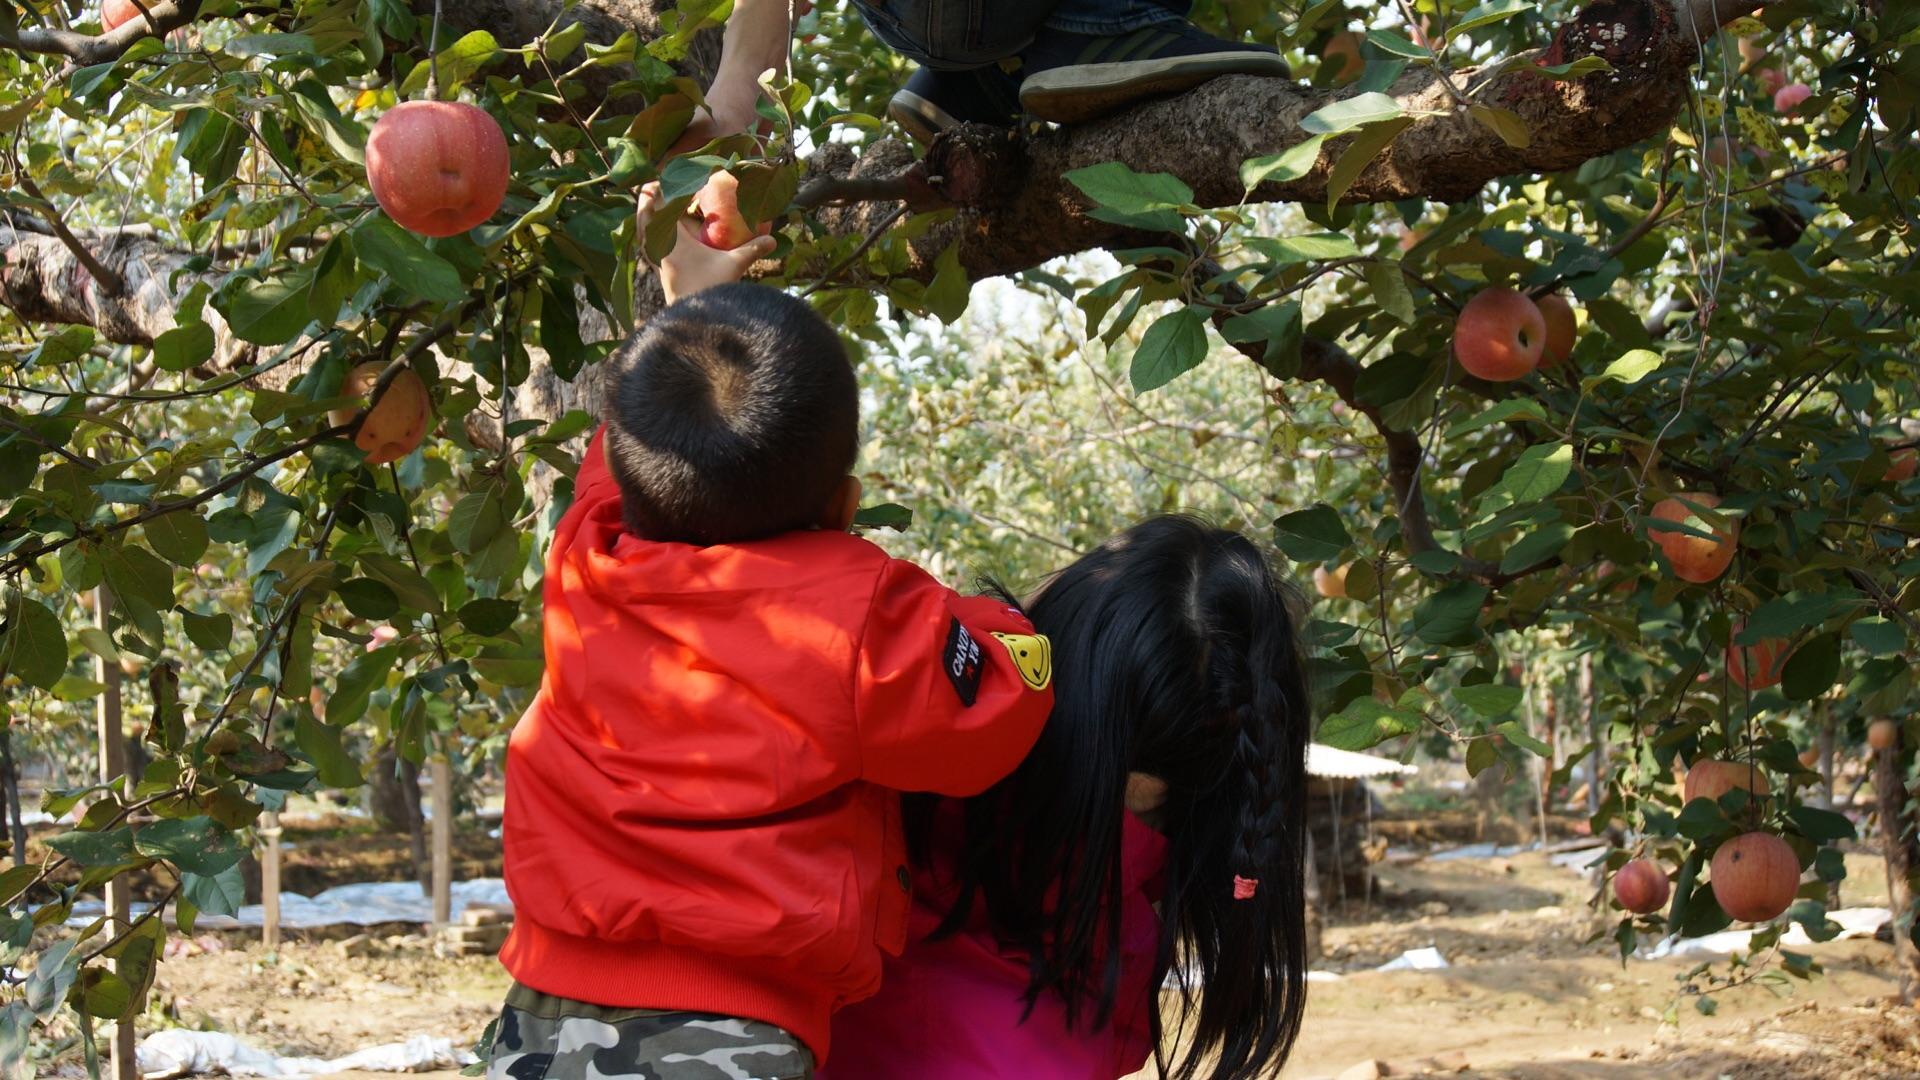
<point x="1879" y="637"/>
<point x="212" y="633"/>
<point x="388" y="249"/>
<point x="368" y="599"/>
<point x="1174" y="345"/>
<point x="179" y="537"/>
<point x="1629" y="369"/>
<point x="1289" y="164"/>
<point x="1812" y="668"/>
<point x="1369" y="144"/>
<point x="33" y="647"/>
<point x="321" y="744"/>
<point x="135" y="574"/>
<point x="1365" y="724"/>
<point x="356" y="681"/>
<point x="1450" y="616"/>
<point x="488" y="616"/>
<point x="948" y="292"/>
<point x="1489" y="699"/>
<point x="1523" y="739"/>
<point x="1536" y="547"/>
<point x="1490" y="13"/>
<point x="197" y="845"/>
<point x="270" y="312"/>
<point x="1276" y="325"/>
<point x="1315" y="534"/>
<point x="1539" y="472"/>
<point x="413" y="591"/>
<point x="1503" y="122"/>
<point x="1579" y="69"/>
<point x="183" y="347"/>
<point x="1390" y="291"/>
<point x="1349" y="113"/>
<point x="1785" y="616"/>
<point x="95" y="848"/>
<point x="218" y="894"/>
<point x="1821" y="826"/>
<point x="457" y="63"/>
<point x="1113" y="185"/>
<point x="1499" y="413"/>
<point x="1394" y="44"/>
<point x="884" y="516"/>
<point x="476" y="519"/>
<point x="101" y="993"/>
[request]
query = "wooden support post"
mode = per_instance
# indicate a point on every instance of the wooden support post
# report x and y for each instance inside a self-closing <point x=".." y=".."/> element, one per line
<point x="270" y="880"/>
<point x="113" y="767"/>
<point x="442" y="771"/>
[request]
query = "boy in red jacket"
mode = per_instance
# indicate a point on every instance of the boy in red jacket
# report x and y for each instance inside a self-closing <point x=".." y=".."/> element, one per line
<point x="702" y="832"/>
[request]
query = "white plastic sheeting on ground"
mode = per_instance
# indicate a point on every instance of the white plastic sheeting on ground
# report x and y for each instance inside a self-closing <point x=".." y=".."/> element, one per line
<point x="1854" y="923"/>
<point x="1334" y="764"/>
<point x="1427" y="959"/>
<point x="364" y="904"/>
<point x="180" y="1052"/>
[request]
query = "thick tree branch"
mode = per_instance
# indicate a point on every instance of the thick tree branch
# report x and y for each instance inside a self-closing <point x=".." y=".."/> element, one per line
<point x="85" y="50"/>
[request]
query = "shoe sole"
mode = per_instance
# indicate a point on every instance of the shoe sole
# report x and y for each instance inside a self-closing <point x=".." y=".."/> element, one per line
<point x="921" y="119"/>
<point x="1081" y="92"/>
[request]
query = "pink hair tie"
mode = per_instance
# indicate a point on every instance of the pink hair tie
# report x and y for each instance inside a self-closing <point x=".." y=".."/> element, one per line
<point x="1244" y="888"/>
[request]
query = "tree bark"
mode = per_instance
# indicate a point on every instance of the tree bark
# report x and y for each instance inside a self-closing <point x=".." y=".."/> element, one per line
<point x="1901" y="845"/>
<point x="10" y="775"/>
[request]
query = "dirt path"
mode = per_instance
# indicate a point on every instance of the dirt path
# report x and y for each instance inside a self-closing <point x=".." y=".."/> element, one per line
<point x="1530" y="994"/>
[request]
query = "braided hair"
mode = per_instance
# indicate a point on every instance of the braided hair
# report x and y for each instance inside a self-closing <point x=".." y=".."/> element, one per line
<point x="1175" y="655"/>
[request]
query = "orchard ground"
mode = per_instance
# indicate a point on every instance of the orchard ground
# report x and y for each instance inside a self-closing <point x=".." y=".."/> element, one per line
<point x="1535" y="989"/>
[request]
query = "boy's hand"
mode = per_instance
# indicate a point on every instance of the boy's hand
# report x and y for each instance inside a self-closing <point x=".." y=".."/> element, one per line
<point x="692" y="265"/>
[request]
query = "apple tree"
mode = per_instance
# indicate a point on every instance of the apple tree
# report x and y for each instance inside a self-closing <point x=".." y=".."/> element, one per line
<point x="309" y="456"/>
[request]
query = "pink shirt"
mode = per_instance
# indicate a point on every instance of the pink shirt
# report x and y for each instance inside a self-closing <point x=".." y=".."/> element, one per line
<point x="951" y="1009"/>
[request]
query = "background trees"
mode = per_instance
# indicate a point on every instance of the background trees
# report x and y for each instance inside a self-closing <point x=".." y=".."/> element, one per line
<point x="1242" y="300"/>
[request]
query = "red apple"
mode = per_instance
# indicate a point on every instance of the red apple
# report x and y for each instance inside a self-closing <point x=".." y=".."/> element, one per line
<point x="1694" y="558"/>
<point x="1561" y="328"/>
<point x="1771" y="79"/>
<point x="1500" y="335"/>
<point x="1789" y="98"/>
<point x="1902" y="464"/>
<point x="1755" y="877"/>
<point x="115" y="12"/>
<point x="382" y="635"/>
<point x="1758" y="666"/>
<point x="1882" y="734"/>
<point x="1330" y="582"/>
<point x="723" y="226"/>
<point x="1711" y="779"/>
<point x="437" y="167"/>
<point x="1641" y="887"/>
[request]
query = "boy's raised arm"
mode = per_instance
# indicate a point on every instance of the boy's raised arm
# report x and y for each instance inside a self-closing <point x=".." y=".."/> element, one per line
<point x="950" y="691"/>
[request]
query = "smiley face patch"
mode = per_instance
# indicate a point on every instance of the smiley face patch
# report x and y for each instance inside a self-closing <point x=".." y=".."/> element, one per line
<point x="1032" y="657"/>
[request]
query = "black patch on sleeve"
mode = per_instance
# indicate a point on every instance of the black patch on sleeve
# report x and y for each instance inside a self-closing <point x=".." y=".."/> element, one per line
<point x="964" y="662"/>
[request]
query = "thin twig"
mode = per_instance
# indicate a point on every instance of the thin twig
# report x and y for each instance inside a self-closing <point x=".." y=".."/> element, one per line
<point x="872" y="238"/>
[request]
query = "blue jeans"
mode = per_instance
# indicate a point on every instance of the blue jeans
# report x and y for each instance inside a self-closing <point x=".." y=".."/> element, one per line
<point x="965" y="34"/>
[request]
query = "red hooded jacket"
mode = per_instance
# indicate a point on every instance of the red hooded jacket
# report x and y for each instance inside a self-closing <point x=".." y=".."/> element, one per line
<point x="701" y="801"/>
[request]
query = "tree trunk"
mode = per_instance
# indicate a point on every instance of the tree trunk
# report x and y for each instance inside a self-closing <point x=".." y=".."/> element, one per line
<point x="1902" y="848"/>
<point x="10" y="775"/>
<point x="1597" y="763"/>
<point x="416" y="823"/>
<point x="386" y="801"/>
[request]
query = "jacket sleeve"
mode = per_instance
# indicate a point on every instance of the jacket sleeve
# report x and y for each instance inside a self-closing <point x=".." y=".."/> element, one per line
<point x="950" y="691"/>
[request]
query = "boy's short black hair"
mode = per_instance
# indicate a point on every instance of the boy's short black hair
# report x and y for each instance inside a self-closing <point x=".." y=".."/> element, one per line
<point x="734" y="415"/>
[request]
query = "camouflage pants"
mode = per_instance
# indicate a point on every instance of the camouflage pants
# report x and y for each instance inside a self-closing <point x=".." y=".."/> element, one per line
<point x="542" y="1037"/>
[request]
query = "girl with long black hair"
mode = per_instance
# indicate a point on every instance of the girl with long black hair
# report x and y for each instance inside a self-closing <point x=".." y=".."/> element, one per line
<point x="1155" y="835"/>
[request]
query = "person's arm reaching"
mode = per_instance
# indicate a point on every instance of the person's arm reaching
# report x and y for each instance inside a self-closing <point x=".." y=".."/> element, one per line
<point x="758" y="36"/>
<point x="950" y="691"/>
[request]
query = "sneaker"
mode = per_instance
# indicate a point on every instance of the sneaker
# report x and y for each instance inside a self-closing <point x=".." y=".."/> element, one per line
<point x="934" y="101"/>
<point x="1077" y="77"/>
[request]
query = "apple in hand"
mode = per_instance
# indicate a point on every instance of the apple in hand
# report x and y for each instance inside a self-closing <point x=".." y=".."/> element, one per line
<point x="1500" y="335"/>
<point x="722" y="225"/>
